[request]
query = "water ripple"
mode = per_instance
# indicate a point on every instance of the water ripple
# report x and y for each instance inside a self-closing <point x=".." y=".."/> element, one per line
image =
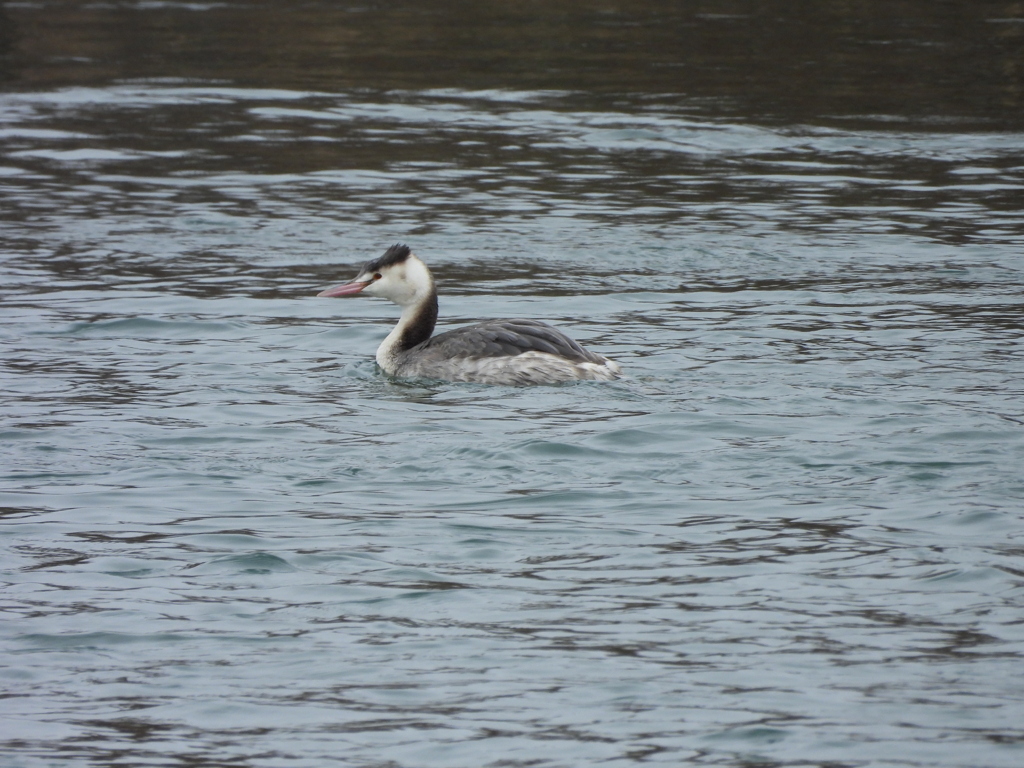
<point x="790" y="536"/>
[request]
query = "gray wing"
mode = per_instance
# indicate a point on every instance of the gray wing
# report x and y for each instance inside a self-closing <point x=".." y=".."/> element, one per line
<point x="498" y="338"/>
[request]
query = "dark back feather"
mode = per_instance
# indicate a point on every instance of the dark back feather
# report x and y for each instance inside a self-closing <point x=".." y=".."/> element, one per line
<point x="499" y="338"/>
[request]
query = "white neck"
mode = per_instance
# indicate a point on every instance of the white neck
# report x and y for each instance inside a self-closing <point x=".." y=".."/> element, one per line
<point x="411" y="286"/>
<point x="389" y="353"/>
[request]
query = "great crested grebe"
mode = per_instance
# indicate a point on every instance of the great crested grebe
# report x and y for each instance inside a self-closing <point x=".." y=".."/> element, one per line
<point x="513" y="352"/>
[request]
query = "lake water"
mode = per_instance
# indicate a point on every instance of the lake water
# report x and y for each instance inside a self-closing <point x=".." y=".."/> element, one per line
<point x="791" y="536"/>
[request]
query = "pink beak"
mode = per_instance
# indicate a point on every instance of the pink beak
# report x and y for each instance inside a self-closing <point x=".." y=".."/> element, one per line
<point x="348" y="289"/>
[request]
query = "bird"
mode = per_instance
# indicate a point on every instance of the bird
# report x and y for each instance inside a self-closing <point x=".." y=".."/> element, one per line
<point x="501" y="352"/>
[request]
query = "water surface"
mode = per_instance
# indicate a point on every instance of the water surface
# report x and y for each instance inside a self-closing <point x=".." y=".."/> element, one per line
<point x="791" y="536"/>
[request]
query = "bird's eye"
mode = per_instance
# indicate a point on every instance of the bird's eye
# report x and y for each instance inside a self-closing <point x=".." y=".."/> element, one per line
<point x="376" y="275"/>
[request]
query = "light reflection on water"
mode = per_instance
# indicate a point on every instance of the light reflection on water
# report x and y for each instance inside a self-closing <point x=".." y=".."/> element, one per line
<point x="790" y="537"/>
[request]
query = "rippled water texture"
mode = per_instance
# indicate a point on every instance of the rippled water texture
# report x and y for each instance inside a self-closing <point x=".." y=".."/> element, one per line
<point x="792" y="536"/>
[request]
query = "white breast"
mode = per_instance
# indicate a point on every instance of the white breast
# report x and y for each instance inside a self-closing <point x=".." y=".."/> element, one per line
<point x="516" y="370"/>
